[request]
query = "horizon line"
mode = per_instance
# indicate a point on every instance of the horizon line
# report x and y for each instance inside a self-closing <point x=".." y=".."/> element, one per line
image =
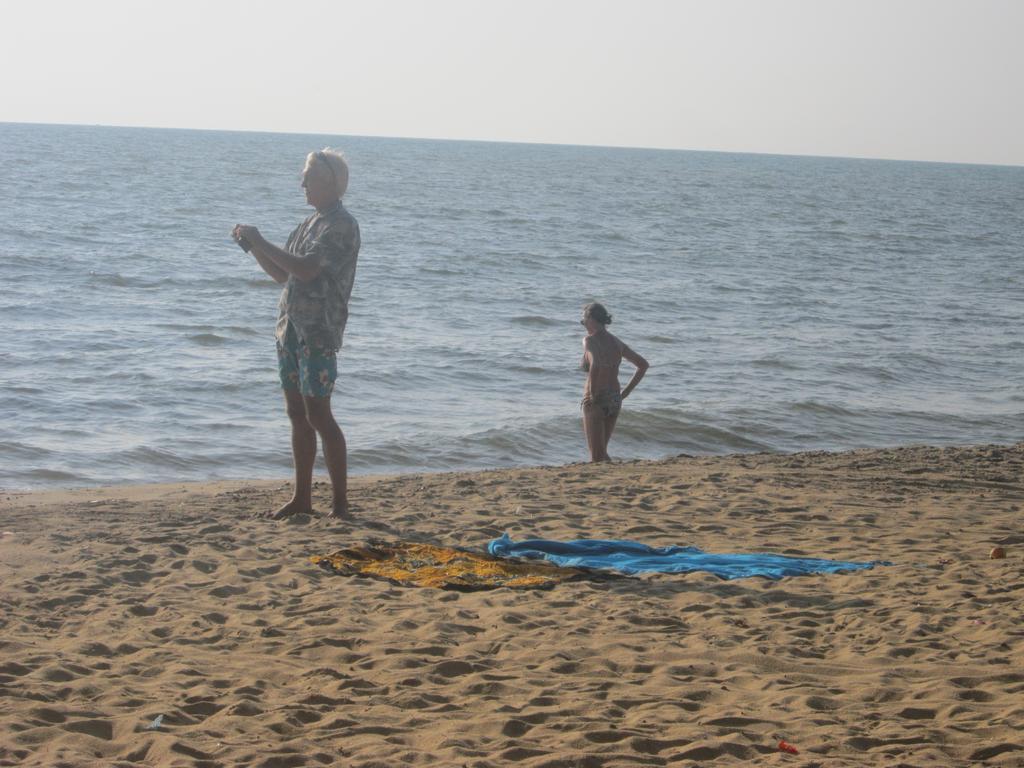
<point x="519" y="142"/>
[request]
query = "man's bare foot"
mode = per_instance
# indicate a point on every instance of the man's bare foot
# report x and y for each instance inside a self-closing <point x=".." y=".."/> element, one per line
<point x="293" y="507"/>
<point x="341" y="512"/>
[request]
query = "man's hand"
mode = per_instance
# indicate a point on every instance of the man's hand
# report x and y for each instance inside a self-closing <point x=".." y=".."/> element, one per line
<point x="244" y="242"/>
<point x="246" y="232"/>
<point x="276" y="262"/>
<point x="251" y="241"/>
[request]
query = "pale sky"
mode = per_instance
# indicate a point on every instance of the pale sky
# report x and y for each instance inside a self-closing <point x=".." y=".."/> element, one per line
<point x="905" y="79"/>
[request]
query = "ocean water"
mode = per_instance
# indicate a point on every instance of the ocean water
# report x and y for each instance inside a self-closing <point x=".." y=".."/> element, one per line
<point x="785" y="303"/>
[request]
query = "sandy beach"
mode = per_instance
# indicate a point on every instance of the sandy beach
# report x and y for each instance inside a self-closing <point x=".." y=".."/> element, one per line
<point x="129" y="605"/>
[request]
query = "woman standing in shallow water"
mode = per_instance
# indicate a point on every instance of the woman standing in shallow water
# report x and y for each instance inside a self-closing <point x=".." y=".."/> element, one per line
<point x="602" y="399"/>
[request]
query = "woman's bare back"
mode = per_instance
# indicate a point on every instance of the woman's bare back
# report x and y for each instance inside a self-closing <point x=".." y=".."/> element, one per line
<point x="602" y="355"/>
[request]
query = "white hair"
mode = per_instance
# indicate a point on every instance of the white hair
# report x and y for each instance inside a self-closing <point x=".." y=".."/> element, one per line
<point x="334" y="163"/>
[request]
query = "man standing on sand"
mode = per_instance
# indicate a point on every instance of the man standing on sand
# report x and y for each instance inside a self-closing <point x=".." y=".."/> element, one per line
<point x="317" y="267"/>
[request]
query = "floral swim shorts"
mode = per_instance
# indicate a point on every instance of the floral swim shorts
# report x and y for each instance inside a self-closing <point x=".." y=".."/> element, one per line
<point x="311" y="371"/>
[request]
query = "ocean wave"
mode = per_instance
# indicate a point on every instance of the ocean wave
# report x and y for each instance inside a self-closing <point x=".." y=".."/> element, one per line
<point x="258" y="282"/>
<point x="159" y="460"/>
<point x="664" y="431"/>
<point x="208" y="339"/>
<point x="776" y="362"/>
<point x="862" y="326"/>
<point x="442" y="271"/>
<point x="200" y="329"/>
<point x="641" y="433"/>
<point x="12" y="450"/>
<point x="819" y="407"/>
<point x="875" y="372"/>
<point x="22" y="389"/>
<point x="537" y="321"/>
<point x="53" y="476"/>
<point x="200" y="283"/>
<point x="652" y="433"/>
<point x="117" y="280"/>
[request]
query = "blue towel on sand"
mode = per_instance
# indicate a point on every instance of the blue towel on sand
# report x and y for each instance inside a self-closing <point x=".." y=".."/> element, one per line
<point x="633" y="557"/>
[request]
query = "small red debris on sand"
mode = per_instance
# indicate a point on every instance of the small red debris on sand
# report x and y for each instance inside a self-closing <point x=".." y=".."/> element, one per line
<point x="785" y="746"/>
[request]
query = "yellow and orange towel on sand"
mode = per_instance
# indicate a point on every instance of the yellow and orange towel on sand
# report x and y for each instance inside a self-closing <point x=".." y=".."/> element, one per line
<point x="424" y="565"/>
